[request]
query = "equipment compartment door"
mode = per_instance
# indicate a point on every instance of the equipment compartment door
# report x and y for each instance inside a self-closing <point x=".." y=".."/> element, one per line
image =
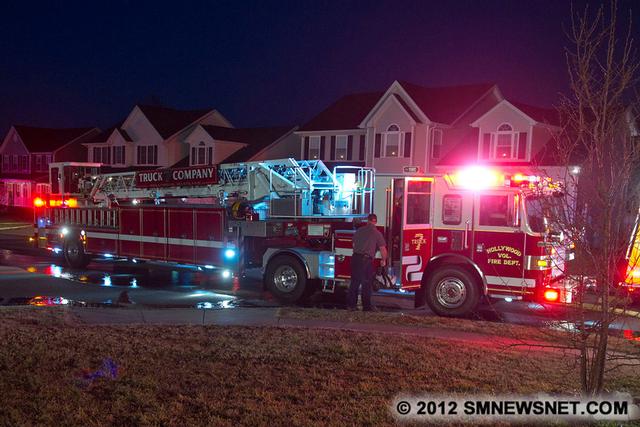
<point x="129" y="232"/>
<point x="416" y="236"/>
<point x="181" y="243"/>
<point x="154" y="240"/>
<point x="209" y="242"/>
<point x="498" y="246"/>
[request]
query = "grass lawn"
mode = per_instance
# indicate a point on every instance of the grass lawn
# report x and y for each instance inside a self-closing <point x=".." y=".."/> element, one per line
<point x="195" y="375"/>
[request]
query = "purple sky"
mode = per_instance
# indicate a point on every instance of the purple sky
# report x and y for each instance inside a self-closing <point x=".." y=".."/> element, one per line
<point x="266" y="63"/>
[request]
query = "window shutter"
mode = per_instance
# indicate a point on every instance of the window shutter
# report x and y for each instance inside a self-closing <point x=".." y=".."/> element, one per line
<point x="124" y="150"/>
<point x="349" y="147"/>
<point x="378" y="145"/>
<point x="332" y="155"/>
<point x="305" y="148"/>
<point x="486" y="145"/>
<point x="361" y="150"/>
<point x="522" y="145"/>
<point x="321" y="156"/>
<point x="210" y="152"/>
<point x="407" y="144"/>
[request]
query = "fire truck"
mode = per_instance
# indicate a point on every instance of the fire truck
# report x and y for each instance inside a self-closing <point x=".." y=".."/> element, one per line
<point x="632" y="262"/>
<point x="453" y="238"/>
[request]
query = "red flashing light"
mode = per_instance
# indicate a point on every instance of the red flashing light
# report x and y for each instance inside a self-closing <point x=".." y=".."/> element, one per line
<point x="38" y="202"/>
<point x="477" y="178"/>
<point x="551" y="295"/>
<point x="68" y="203"/>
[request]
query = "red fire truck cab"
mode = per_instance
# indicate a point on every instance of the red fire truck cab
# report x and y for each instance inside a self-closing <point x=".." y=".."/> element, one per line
<point x="453" y="239"/>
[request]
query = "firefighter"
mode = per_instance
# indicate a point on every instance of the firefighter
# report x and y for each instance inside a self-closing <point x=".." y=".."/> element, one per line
<point x="367" y="240"/>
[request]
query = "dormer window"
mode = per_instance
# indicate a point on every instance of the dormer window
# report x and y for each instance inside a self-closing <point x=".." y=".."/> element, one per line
<point x="504" y="144"/>
<point x="392" y="142"/>
<point x="201" y="154"/>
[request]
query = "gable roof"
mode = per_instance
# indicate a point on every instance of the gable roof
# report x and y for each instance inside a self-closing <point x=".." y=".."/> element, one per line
<point x="45" y="140"/>
<point x="346" y="113"/>
<point x="446" y="103"/>
<point x="168" y="121"/>
<point x="548" y="116"/>
<point x="106" y="134"/>
<point x="256" y="139"/>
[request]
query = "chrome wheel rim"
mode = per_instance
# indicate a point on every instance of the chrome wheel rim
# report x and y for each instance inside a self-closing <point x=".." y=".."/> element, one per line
<point x="285" y="278"/>
<point x="451" y="292"/>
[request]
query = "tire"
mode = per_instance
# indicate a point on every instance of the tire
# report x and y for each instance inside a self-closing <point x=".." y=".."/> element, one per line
<point x="74" y="254"/>
<point x="452" y="292"/>
<point x="286" y="279"/>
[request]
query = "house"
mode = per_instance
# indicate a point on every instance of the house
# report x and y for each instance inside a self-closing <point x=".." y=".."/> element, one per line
<point x="210" y="145"/>
<point x="403" y="126"/>
<point x="513" y="136"/>
<point x="411" y="129"/>
<point x="150" y="137"/>
<point x="26" y="152"/>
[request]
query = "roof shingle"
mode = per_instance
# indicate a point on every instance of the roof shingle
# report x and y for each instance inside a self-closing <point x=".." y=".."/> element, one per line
<point x="44" y="140"/>
<point x="346" y="113"/>
<point x="168" y="121"/>
<point x="445" y="104"/>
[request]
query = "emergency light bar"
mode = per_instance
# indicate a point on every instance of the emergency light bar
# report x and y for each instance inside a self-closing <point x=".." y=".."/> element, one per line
<point x="67" y="203"/>
<point x="483" y="178"/>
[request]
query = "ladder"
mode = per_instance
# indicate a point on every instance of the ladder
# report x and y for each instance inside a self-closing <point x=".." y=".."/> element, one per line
<point x="251" y="181"/>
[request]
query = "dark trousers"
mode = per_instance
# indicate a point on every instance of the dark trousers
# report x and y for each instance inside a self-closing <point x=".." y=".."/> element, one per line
<point x="361" y="275"/>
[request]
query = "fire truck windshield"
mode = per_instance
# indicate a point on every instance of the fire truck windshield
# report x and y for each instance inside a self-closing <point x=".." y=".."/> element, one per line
<point x="543" y="212"/>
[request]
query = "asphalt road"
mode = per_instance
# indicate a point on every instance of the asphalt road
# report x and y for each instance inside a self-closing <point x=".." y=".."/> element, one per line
<point x="26" y="273"/>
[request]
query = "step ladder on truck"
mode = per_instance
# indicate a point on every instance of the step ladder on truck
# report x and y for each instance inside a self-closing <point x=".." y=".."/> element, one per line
<point x="453" y="238"/>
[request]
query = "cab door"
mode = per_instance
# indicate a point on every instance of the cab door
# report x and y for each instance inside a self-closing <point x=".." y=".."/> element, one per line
<point x="416" y="236"/>
<point x="498" y="243"/>
<point x="453" y="223"/>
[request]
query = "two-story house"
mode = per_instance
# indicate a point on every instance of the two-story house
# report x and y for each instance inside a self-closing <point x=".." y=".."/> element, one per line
<point x="26" y="152"/>
<point x="412" y="129"/>
<point x="150" y="137"/>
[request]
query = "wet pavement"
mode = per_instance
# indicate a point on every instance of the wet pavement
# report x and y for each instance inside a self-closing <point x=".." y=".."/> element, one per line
<point x="26" y="273"/>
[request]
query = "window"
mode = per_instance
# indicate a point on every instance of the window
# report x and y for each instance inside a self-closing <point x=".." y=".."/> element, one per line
<point x="41" y="162"/>
<point x="24" y="163"/>
<point x="452" y="209"/>
<point x="418" y="201"/>
<point x="314" y="148"/>
<point x="199" y="154"/>
<point x="102" y="155"/>
<point x="392" y="141"/>
<point x="341" y="147"/>
<point x="210" y="155"/>
<point x="147" y="154"/>
<point x="6" y="161"/>
<point x="14" y="162"/>
<point x="43" y="189"/>
<point x="504" y="144"/>
<point x="118" y="155"/>
<point x="495" y="212"/>
<point x="436" y="143"/>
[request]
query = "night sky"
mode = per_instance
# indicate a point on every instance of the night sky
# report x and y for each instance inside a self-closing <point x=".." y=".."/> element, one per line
<point x="266" y="62"/>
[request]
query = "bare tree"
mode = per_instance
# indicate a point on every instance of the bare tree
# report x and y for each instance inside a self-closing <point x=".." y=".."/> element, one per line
<point x="601" y="162"/>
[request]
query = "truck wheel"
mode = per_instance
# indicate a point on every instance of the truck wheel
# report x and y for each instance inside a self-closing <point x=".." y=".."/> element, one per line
<point x="74" y="254"/>
<point x="452" y="292"/>
<point x="286" y="279"/>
